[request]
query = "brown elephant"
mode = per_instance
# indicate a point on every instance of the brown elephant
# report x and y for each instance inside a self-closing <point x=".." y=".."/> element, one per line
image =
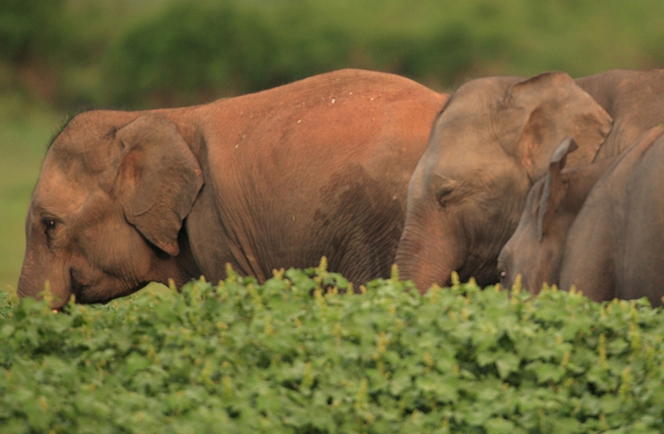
<point x="492" y="140"/>
<point x="279" y="178"/>
<point x="598" y="227"/>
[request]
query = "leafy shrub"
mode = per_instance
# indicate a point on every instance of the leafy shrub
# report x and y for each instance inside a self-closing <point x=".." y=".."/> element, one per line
<point x="29" y="28"/>
<point x="221" y="48"/>
<point x="174" y="52"/>
<point x="182" y="50"/>
<point x="284" y="357"/>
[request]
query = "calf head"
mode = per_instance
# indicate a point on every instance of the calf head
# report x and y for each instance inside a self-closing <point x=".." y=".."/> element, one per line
<point x="107" y="211"/>
<point x="536" y="247"/>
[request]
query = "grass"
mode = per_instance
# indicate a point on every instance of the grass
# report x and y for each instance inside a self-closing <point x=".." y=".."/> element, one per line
<point x="25" y="130"/>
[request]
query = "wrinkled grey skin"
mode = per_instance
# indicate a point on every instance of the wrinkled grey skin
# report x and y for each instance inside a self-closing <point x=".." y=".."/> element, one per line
<point x="536" y="247"/>
<point x="264" y="181"/>
<point x="491" y="142"/>
<point x="598" y="225"/>
<point x="553" y="206"/>
<point x="615" y="246"/>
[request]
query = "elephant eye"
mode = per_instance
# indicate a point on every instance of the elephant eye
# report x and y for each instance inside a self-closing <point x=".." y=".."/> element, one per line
<point x="444" y="195"/>
<point x="49" y="224"/>
<point x="503" y="278"/>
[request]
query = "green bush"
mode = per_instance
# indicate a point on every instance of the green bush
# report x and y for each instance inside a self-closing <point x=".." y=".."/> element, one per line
<point x="191" y="52"/>
<point x="174" y="52"/>
<point x="184" y="50"/>
<point x="29" y="29"/>
<point x="284" y="357"/>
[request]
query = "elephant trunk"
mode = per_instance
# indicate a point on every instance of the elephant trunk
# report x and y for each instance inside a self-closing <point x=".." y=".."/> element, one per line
<point x="426" y="259"/>
<point x="33" y="282"/>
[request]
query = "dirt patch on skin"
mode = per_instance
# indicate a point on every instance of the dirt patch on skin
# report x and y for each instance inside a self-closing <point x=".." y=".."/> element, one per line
<point x="367" y="220"/>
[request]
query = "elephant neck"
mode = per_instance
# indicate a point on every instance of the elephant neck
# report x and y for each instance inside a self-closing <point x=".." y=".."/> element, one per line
<point x="186" y="262"/>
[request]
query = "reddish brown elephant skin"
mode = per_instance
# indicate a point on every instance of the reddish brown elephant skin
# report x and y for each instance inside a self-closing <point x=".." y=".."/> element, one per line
<point x="273" y="179"/>
<point x="491" y="142"/>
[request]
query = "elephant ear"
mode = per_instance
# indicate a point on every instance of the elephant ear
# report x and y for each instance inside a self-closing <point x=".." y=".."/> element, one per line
<point x="158" y="179"/>
<point x="548" y="108"/>
<point x="554" y="187"/>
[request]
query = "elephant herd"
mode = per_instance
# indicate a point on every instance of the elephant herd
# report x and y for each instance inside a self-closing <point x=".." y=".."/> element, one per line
<point x="547" y="177"/>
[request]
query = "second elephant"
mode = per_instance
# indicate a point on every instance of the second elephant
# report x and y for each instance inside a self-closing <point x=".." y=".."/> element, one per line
<point x="492" y="140"/>
<point x="598" y="227"/>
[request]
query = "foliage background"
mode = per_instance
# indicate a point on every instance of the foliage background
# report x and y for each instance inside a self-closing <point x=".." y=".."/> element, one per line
<point x="57" y="56"/>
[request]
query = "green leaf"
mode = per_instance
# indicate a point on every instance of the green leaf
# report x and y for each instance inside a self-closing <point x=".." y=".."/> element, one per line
<point x="499" y="426"/>
<point x="507" y="363"/>
<point x="399" y="383"/>
<point x="136" y="362"/>
<point x="7" y="330"/>
<point x="546" y="372"/>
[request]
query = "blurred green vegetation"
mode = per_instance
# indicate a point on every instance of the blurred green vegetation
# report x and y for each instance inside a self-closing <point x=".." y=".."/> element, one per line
<point x="60" y="55"/>
<point x="24" y="132"/>
<point x="143" y="53"/>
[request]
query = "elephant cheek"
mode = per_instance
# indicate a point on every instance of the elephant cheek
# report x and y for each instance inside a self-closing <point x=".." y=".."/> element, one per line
<point x="546" y="270"/>
<point x="532" y="280"/>
<point x="533" y="276"/>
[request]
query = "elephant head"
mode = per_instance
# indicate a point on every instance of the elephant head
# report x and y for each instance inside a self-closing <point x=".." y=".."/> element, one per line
<point x="106" y="215"/>
<point x="537" y="248"/>
<point x="488" y="145"/>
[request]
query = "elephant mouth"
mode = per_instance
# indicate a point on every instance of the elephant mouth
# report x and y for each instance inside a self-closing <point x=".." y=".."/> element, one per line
<point x="482" y="270"/>
<point x="90" y="293"/>
<point x="78" y="289"/>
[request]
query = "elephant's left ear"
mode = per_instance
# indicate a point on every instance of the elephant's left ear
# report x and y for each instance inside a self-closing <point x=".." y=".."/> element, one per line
<point x="554" y="188"/>
<point x="158" y="179"/>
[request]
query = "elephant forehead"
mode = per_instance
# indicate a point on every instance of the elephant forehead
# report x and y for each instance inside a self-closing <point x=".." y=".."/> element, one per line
<point x="478" y="96"/>
<point x="58" y="193"/>
<point x="467" y="162"/>
<point x="470" y="119"/>
<point x="464" y="138"/>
